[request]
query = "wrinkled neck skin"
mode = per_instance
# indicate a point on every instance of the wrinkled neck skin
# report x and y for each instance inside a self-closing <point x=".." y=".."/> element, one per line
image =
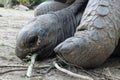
<point x="42" y="34"/>
<point x="77" y="6"/>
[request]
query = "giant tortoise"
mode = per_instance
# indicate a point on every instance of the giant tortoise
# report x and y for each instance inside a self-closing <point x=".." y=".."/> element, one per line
<point x="85" y="42"/>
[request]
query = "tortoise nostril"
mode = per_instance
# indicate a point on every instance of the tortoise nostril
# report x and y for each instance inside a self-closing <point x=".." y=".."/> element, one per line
<point x="19" y="53"/>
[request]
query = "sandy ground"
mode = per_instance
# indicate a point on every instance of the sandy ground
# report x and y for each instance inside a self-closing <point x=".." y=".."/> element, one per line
<point x="12" y="68"/>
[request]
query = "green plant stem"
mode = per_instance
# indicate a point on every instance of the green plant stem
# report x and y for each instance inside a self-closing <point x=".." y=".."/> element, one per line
<point x="30" y="67"/>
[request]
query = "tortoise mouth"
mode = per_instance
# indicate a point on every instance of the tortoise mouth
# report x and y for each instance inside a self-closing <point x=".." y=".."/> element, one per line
<point x="23" y="53"/>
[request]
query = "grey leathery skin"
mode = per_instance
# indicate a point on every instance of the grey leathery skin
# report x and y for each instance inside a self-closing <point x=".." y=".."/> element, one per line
<point x="44" y="32"/>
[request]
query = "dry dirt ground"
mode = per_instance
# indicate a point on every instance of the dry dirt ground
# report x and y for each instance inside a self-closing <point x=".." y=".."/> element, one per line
<point x="12" y="68"/>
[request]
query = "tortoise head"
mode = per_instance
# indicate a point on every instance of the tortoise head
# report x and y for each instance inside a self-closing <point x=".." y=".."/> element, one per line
<point x="34" y="37"/>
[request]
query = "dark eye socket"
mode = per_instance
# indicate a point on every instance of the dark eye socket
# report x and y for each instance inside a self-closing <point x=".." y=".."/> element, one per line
<point x="32" y="41"/>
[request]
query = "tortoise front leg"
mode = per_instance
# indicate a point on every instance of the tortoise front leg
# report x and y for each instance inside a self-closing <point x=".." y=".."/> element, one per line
<point x="96" y="37"/>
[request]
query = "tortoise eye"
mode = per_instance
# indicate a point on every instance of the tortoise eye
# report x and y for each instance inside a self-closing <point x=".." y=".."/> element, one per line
<point x="32" y="41"/>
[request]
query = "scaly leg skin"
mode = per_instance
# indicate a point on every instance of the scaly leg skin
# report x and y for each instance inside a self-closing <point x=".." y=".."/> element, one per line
<point x="96" y="37"/>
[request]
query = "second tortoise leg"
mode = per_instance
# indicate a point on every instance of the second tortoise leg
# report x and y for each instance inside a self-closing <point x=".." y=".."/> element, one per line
<point x="49" y="6"/>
